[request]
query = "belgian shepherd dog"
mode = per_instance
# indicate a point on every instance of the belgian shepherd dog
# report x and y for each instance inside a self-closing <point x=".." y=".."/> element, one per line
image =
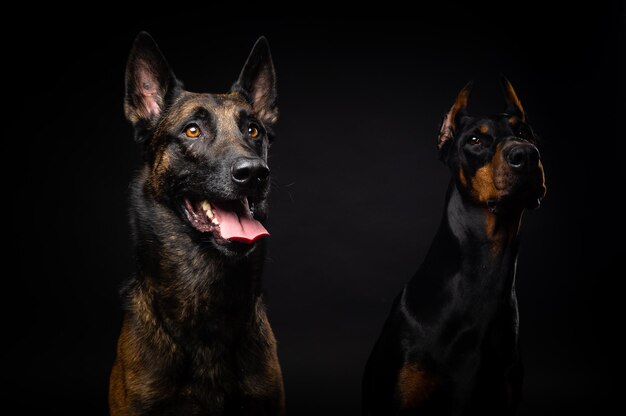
<point x="195" y="338"/>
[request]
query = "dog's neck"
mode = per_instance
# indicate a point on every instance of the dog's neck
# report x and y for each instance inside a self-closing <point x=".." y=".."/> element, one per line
<point x="484" y="237"/>
<point x="187" y="285"/>
<point x="472" y="257"/>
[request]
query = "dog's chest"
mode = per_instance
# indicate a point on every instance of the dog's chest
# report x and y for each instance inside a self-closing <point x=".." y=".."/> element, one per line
<point x="211" y="379"/>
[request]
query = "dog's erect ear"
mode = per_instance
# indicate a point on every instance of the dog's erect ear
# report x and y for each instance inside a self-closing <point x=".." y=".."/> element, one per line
<point x="258" y="82"/>
<point x="150" y="83"/>
<point x="450" y="121"/>
<point x="514" y="106"/>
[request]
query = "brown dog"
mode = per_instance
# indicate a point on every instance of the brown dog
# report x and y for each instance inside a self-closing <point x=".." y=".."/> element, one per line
<point x="195" y="337"/>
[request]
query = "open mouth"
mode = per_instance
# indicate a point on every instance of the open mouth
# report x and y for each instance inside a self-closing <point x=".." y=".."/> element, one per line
<point x="227" y="221"/>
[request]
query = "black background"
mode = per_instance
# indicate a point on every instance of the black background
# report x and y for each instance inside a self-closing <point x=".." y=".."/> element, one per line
<point x="357" y="188"/>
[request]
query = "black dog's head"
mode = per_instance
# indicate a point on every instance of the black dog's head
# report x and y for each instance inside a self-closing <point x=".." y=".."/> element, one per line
<point x="495" y="160"/>
<point x="206" y="154"/>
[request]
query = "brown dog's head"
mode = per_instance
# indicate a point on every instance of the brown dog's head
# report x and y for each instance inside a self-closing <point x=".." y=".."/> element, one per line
<point x="206" y="154"/>
<point x="494" y="159"/>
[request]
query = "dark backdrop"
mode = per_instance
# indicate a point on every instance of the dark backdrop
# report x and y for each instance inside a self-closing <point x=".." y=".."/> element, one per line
<point x="358" y="190"/>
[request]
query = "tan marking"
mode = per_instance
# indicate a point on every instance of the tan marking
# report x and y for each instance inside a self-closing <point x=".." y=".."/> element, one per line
<point x="128" y="380"/>
<point x="513" y="120"/>
<point x="234" y="95"/>
<point x="491" y="181"/>
<point x="495" y="237"/>
<point x="159" y="168"/>
<point x="490" y="225"/>
<point x="483" y="128"/>
<point x="483" y="185"/>
<point x="132" y="374"/>
<point x="501" y="235"/>
<point x="224" y="116"/>
<point x="414" y="386"/>
<point x="188" y="103"/>
<point x="117" y="389"/>
<point x="163" y="164"/>
<point x="182" y="110"/>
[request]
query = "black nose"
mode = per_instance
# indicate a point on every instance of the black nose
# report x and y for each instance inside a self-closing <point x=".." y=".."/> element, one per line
<point x="522" y="156"/>
<point x="249" y="172"/>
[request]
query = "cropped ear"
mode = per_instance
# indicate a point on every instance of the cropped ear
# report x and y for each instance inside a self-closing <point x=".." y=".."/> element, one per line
<point x="150" y="83"/>
<point x="258" y="82"/>
<point x="450" y="121"/>
<point x="514" y="106"/>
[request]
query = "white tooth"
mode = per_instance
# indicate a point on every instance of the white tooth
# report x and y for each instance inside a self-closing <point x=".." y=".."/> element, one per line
<point x="206" y="206"/>
<point x="215" y="221"/>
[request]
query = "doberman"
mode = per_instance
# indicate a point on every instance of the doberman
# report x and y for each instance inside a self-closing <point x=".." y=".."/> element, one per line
<point x="450" y="344"/>
<point x="195" y="339"/>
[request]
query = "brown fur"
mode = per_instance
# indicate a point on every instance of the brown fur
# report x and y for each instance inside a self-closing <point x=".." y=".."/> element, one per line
<point x="414" y="386"/>
<point x="195" y="339"/>
<point x="146" y="353"/>
<point x="501" y="233"/>
<point x="491" y="181"/>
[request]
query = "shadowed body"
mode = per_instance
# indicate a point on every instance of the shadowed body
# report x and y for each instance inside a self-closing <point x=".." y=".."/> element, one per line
<point x="450" y="344"/>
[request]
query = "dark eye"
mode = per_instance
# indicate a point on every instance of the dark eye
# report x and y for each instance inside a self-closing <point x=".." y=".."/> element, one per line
<point x="192" y="131"/>
<point x="253" y="131"/>
<point x="474" y="140"/>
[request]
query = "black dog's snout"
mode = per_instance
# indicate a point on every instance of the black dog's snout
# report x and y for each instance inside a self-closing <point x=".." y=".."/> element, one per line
<point x="522" y="156"/>
<point x="249" y="172"/>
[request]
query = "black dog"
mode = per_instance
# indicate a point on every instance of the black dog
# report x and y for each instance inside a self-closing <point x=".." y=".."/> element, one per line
<point x="195" y="338"/>
<point x="450" y="345"/>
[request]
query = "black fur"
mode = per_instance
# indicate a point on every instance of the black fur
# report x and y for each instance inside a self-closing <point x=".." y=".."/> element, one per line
<point x="450" y="344"/>
<point x="195" y="338"/>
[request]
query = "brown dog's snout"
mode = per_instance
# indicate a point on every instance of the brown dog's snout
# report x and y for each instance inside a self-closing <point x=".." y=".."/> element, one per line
<point x="522" y="156"/>
<point x="249" y="172"/>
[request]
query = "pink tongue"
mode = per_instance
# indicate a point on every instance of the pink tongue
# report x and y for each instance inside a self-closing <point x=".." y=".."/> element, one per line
<point x="236" y="226"/>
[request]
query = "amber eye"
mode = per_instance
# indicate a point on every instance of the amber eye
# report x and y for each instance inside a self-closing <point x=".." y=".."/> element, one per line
<point x="192" y="131"/>
<point x="474" y="140"/>
<point x="253" y="131"/>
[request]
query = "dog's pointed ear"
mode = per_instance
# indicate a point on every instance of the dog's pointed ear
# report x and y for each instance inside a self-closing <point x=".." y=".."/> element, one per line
<point x="514" y="105"/>
<point x="257" y="82"/>
<point x="150" y="83"/>
<point x="451" y="120"/>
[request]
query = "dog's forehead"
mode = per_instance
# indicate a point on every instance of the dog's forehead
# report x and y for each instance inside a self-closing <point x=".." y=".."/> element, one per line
<point x="498" y="125"/>
<point x="221" y="106"/>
